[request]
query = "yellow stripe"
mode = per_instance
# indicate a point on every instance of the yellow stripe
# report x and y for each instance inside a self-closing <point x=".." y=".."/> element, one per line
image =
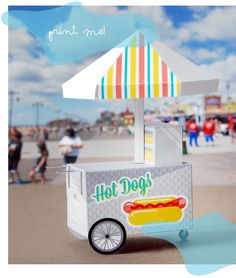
<point x="178" y="87"/>
<point x="110" y="83"/>
<point x="156" y="73"/>
<point x="133" y="68"/>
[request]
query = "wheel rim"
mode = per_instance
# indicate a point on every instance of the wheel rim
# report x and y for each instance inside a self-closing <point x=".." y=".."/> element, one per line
<point x="183" y="234"/>
<point x="107" y="236"/>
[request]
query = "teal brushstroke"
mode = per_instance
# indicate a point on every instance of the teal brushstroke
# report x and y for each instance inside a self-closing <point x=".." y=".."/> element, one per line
<point x="211" y="244"/>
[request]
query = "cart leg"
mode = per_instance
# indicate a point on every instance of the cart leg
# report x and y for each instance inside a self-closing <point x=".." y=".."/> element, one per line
<point x="183" y="235"/>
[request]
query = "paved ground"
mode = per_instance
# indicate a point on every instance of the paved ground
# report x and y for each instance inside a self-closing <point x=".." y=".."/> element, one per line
<point x="116" y="147"/>
<point x="38" y="233"/>
<point x="37" y="213"/>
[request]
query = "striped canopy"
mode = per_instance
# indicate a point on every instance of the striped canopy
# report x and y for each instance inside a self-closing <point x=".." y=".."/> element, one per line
<point x="137" y="69"/>
<point x="138" y="72"/>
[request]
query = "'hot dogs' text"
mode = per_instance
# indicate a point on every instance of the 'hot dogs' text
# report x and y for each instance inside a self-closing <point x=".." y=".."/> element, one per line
<point x="123" y="186"/>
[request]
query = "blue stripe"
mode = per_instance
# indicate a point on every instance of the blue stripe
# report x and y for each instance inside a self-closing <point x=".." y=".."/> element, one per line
<point x="125" y="72"/>
<point x="172" y="83"/>
<point x="148" y="71"/>
<point x="103" y="93"/>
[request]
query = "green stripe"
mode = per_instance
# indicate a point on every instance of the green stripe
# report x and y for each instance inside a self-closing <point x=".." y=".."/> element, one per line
<point x="172" y="83"/>
<point x="103" y="93"/>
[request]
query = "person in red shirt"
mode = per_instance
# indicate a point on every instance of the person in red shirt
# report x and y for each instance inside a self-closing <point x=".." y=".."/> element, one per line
<point x="232" y="128"/>
<point x="230" y="124"/>
<point x="209" y="130"/>
<point x="193" y="130"/>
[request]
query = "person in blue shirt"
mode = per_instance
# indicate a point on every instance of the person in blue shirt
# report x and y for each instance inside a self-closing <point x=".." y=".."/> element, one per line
<point x="40" y="165"/>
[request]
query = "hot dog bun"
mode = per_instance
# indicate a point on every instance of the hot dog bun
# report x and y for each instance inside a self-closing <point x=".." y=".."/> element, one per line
<point x="168" y="214"/>
<point x="160" y="209"/>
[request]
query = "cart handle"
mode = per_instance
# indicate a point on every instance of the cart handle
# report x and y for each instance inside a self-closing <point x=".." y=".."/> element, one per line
<point x="81" y="177"/>
<point x="62" y="172"/>
<point x="69" y="171"/>
<point x="56" y="167"/>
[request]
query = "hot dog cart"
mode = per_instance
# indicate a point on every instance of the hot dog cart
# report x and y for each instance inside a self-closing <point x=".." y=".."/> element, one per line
<point x="108" y="201"/>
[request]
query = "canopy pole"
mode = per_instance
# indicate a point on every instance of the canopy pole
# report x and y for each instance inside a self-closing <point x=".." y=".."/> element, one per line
<point x="139" y="130"/>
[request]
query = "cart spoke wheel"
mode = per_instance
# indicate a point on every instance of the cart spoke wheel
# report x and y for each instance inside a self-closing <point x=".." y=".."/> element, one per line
<point x="107" y="236"/>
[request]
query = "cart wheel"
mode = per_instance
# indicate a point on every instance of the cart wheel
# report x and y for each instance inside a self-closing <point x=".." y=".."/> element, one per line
<point x="183" y="235"/>
<point x="107" y="236"/>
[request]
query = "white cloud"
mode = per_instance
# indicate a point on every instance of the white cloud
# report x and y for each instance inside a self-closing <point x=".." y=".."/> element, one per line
<point x="205" y="54"/>
<point x="21" y="44"/>
<point x="32" y="77"/>
<point x="199" y="11"/>
<point x="226" y="71"/>
<point x="200" y="55"/>
<point x="217" y="24"/>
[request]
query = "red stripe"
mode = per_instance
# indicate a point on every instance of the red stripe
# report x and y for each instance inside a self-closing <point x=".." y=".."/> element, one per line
<point x="141" y="67"/>
<point x="118" y="76"/>
<point x="164" y="80"/>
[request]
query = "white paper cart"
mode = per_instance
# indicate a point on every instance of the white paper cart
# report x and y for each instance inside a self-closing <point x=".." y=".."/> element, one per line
<point x="108" y="201"/>
<point x="94" y="212"/>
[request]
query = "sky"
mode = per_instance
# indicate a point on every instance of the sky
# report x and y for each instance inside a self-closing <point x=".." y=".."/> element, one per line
<point x="202" y="34"/>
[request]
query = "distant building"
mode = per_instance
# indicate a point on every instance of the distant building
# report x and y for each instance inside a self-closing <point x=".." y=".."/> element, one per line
<point x="109" y="118"/>
<point x="62" y="123"/>
<point x="106" y="118"/>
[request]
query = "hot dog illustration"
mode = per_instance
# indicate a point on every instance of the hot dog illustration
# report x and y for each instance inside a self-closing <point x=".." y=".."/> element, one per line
<point x="164" y="209"/>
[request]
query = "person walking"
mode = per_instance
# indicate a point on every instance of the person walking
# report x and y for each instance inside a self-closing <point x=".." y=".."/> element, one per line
<point x="40" y="165"/>
<point x="14" y="155"/>
<point x="193" y="130"/>
<point x="45" y="134"/>
<point x="70" y="145"/>
<point x="234" y="132"/>
<point x="230" y="124"/>
<point x="208" y="129"/>
<point x="232" y="128"/>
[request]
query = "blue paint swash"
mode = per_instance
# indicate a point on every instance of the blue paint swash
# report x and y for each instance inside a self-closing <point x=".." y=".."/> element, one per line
<point x="211" y="244"/>
<point x="70" y="33"/>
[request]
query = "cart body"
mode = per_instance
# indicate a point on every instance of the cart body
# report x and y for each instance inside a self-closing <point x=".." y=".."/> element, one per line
<point x="97" y="191"/>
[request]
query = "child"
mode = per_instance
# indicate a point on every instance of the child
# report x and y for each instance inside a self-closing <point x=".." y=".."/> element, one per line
<point x="14" y="155"/>
<point x="41" y="162"/>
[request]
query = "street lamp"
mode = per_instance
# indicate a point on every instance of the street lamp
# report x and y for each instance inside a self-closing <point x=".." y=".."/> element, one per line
<point x="228" y="91"/>
<point x="37" y="106"/>
<point x="11" y="106"/>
